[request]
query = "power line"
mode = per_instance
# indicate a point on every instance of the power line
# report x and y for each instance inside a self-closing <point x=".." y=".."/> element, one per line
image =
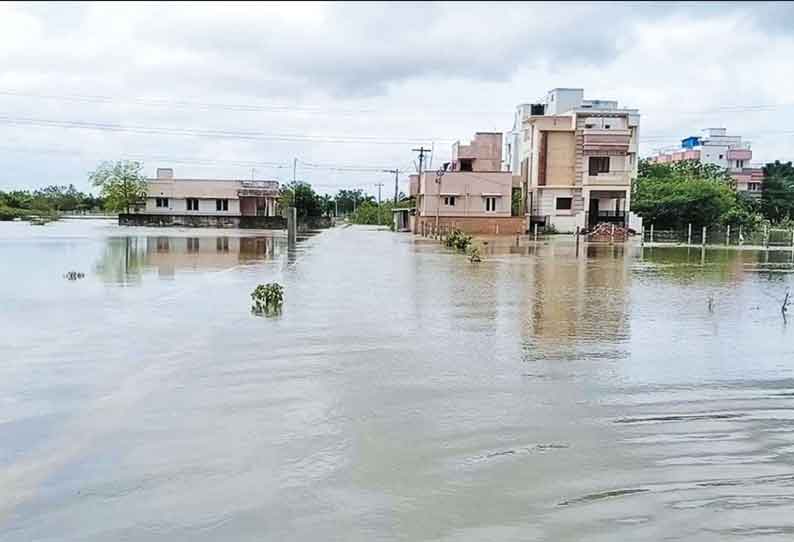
<point x="195" y="132"/>
<point x="244" y="108"/>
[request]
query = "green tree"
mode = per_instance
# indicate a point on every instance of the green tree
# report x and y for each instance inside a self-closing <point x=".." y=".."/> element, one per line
<point x="122" y="184"/>
<point x="301" y="195"/>
<point x="777" y="196"/>
<point x="349" y="200"/>
<point x="674" y="195"/>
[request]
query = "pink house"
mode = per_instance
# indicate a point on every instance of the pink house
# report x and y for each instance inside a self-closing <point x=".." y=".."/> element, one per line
<point x="472" y="194"/>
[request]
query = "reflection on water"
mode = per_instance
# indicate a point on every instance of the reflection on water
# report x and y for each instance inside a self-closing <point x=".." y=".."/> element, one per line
<point x="125" y="259"/>
<point x="404" y="393"/>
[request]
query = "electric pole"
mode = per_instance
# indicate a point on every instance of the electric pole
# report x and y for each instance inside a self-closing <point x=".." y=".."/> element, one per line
<point x="294" y="169"/>
<point x="396" y="182"/>
<point x="379" y="185"/>
<point x="421" y="150"/>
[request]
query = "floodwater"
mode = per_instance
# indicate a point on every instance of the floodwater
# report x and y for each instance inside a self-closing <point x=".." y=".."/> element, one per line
<point x="403" y="393"/>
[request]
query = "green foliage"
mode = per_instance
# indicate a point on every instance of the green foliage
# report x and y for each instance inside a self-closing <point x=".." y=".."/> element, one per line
<point x="349" y="200"/>
<point x="302" y="196"/>
<point x="777" y="196"/>
<point x="688" y="192"/>
<point x="122" y="184"/>
<point x="516" y="208"/>
<point x="45" y="201"/>
<point x="474" y="254"/>
<point x="457" y="239"/>
<point x="267" y="298"/>
<point x="371" y="213"/>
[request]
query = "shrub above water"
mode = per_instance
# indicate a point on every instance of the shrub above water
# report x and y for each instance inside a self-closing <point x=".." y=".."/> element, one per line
<point x="267" y="298"/>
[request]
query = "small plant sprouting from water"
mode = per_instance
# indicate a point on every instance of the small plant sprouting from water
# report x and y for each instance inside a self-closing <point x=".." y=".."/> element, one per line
<point x="267" y="298"/>
<point x="474" y="255"/>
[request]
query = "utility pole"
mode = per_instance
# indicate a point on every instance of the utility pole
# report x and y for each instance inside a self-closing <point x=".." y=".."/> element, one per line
<point x="294" y="169"/>
<point x="379" y="185"/>
<point x="421" y="150"/>
<point x="396" y="182"/>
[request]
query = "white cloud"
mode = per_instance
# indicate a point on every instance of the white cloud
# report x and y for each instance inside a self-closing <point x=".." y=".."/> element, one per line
<point x="386" y="71"/>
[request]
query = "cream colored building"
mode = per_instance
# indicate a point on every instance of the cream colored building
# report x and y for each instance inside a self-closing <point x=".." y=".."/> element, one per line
<point x="576" y="160"/>
<point x="167" y="195"/>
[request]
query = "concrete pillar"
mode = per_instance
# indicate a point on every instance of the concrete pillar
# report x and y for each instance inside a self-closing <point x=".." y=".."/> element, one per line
<point x="728" y="235"/>
<point x="292" y="226"/>
<point x="689" y="234"/>
<point x="651" y="239"/>
<point x="703" y="240"/>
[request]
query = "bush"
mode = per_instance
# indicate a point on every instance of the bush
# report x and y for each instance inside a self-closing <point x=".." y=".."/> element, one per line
<point x="267" y="298"/>
<point x="457" y="239"/>
<point x="10" y="213"/>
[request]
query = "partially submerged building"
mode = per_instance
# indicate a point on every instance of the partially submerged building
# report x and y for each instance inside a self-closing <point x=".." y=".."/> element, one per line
<point x="575" y="160"/>
<point x="472" y="193"/>
<point x="208" y="202"/>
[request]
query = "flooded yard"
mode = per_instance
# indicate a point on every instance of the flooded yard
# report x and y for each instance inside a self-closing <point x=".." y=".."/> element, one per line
<point x="624" y="393"/>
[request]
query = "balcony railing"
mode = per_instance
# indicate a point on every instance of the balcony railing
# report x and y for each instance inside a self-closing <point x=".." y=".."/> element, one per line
<point x="622" y="178"/>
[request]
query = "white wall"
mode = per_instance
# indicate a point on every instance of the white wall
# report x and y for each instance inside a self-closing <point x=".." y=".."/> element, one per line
<point x="179" y="206"/>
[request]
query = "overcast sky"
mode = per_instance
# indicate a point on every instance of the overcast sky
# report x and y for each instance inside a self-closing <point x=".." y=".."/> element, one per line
<point x="213" y="90"/>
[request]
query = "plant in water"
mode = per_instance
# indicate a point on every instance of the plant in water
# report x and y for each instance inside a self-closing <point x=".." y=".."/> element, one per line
<point x="459" y="240"/>
<point x="474" y="255"/>
<point x="267" y="298"/>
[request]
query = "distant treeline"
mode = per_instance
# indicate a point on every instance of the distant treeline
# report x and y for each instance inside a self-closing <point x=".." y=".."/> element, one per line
<point x="46" y="201"/>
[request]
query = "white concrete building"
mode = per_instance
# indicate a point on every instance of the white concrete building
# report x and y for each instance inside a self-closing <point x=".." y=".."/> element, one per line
<point x="718" y="148"/>
<point x="209" y="197"/>
<point x="576" y="160"/>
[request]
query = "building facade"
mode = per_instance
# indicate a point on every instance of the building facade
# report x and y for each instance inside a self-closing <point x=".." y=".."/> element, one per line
<point x="575" y="160"/>
<point x="718" y="148"/>
<point x="168" y="195"/>
<point x="472" y="193"/>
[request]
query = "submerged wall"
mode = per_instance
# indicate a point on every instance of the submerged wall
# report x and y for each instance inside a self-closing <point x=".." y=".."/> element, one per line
<point x="219" y="221"/>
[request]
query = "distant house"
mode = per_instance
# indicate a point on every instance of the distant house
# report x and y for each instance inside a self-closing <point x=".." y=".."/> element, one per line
<point x="473" y="194"/>
<point x="718" y="148"/>
<point x="205" y="202"/>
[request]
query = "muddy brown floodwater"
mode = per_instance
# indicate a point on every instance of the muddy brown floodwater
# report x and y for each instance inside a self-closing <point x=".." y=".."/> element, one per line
<point x="402" y="394"/>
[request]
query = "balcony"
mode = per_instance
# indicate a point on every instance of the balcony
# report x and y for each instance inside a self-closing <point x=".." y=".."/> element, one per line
<point x="611" y="178"/>
<point x="740" y="154"/>
<point x="600" y="140"/>
<point x="258" y="189"/>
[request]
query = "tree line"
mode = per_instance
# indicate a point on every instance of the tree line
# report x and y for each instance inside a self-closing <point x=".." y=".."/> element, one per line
<point x="358" y="207"/>
<point x="673" y="195"/>
<point x="122" y="186"/>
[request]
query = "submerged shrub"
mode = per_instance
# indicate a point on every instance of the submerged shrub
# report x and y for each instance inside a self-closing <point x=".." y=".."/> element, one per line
<point x="459" y="240"/>
<point x="267" y="298"/>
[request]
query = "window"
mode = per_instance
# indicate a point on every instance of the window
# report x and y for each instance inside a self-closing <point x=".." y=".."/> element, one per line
<point x="466" y="164"/>
<point x="490" y="204"/>
<point x="588" y="126"/>
<point x="563" y="204"/>
<point x="192" y="244"/>
<point x="753" y="187"/>
<point x="720" y="157"/>
<point x="739" y="163"/>
<point x="599" y="164"/>
<point x="162" y="202"/>
<point x="221" y="205"/>
<point x="449" y="200"/>
<point x="607" y="126"/>
<point x="192" y="204"/>
<point x="222" y="244"/>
